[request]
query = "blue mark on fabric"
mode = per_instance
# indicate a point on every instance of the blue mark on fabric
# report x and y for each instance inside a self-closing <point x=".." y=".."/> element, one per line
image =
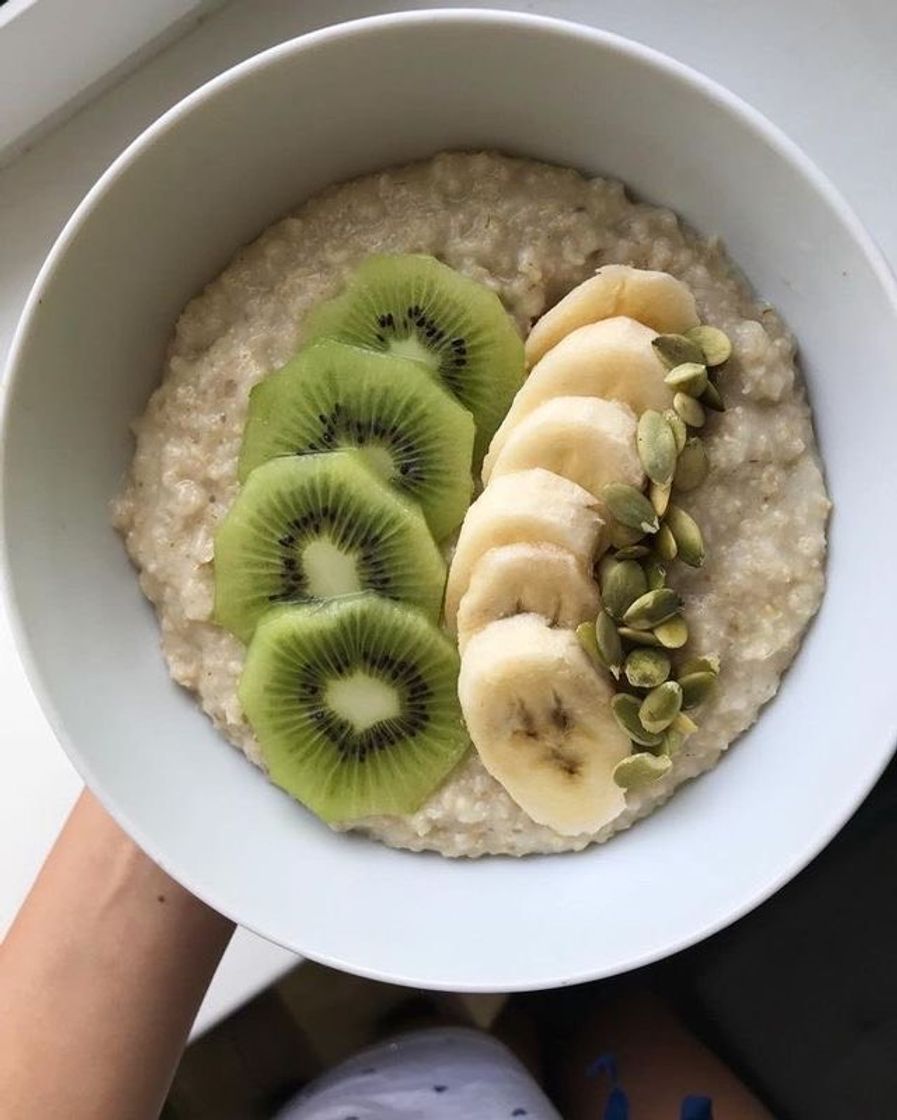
<point x="439" y="1088"/>
<point x="617" y="1107"/>
<point x="696" y="1108"/>
<point x="605" y="1063"/>
<point x="519" y="1112"/>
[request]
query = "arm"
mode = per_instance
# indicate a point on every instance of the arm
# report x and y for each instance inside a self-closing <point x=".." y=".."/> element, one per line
<point x="101" y="976"/>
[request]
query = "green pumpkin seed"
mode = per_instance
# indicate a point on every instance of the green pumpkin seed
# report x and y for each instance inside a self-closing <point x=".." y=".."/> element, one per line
<point x="659" y="497"/>
<point x="637" y="637"/>
<point x="674" y="349"/>
<point x="608" y="644"/>
<point x="692" y="467"/>
<point x="690" y="410"/>
<point x="677" y="426"/>
<point x="640" y="770"/>
<point x="709" y="663"/>
<point x="656" y="447"/>
<point x="630" y="507"/>
<point x="690" y="377"/>
<point x="632" y="552"/>
<point x="711" y="398"/>
<point x="652" y="608"/>
<point x="646" y="668"/>
<point x="714" y="344"/>
<point x="585" y="632"/>
<point x="660" y="707"/>
<point x="665" y="544"/>
<point x="684" y="725"/>
<point x="622" y="582"/>
<point x="687" y="536"/>
<point x="655" y="573"/>
<point x="672" y="741"/>
<point x="623" y="537"/>
<point x="696" y="688"/>
<point x="672" y="634"/>
<point x="626" y="709"/>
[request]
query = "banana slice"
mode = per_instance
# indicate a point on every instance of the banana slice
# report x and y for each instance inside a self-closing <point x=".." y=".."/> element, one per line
<point x="527" y="578"/>
<point x="586" y="439"/>
<point x="539" y="715"/>
<point x="613" y="359"/>
<point x="654" y="298"/>
<point x="535" y="506"/>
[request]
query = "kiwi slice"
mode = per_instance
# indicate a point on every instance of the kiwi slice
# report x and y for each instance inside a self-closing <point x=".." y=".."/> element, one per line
<point x="354" y="704"/>
<point x="410" y="430"/>
<point x="318" y="526"/>
<point x="417" y="307"/>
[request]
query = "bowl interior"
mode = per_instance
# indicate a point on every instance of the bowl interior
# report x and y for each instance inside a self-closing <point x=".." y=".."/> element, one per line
<point x="209" y="177"/>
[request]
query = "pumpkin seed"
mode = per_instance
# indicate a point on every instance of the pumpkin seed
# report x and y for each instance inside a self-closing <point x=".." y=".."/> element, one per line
<point x="656" y="447"/>
<point x="674" y="349"/>
<point x="661" y="706"/>
<point x="637" y="637"/>
<point x="652" y="608"/>
<point x="684" y="725"/>
<point x="714" y="344"/>
<point x="632" y="552"/>
<point x="690" y="377"/>
<point x="690" y="410"/>
<point x="696" y="688"/>
<point x="608" y="644"/>
<point x="640" y="770"/>
<point x="622" y="582"/>
<point x="630" y="507"/>
<point x="623" y="537"/>
<point x="660" y="497"/>
<point x="692" y="467"/>
<point x="677" y="426"/>
<point x="655" y="573"/>
<point x="585" y="632"/>
<point x="672" y="741"/>
<point x="626" y="708"/>
<point x="672" y="634"/>
<point x="711" y="398"/>
<point x="687" y="535"/>
<point x="709" y="663"/>
<point x="646" y="668"/>
<point x="665" y="544"/>
<point x="620" y="536"/>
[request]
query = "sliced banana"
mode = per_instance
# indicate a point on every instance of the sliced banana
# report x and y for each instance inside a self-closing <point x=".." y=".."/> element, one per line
<point x="536" y="506"/>
<point x="589" y="440"/>
<point x="526" y="578"/>
<point x="539" y="715"/>
<point x="654" y="298"/>
<point x="613" y="359"/>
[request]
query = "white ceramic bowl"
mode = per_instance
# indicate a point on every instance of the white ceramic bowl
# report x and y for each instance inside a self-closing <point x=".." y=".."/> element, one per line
<point x="165" y="218"/>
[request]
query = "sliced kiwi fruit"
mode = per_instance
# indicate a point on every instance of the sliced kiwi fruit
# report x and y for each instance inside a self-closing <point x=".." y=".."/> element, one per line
<point x="308" y="527"/>
<point x="416" y="307"/>
<point x="410" y="430"/>
<point x="354" y="704"/>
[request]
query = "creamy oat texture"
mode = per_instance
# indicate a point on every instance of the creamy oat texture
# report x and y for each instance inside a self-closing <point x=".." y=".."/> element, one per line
<point x="530" y="232"/>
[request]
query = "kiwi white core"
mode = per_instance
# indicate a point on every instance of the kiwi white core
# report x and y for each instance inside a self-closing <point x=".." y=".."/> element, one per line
<point x="412" y="347"/>
<point x="328" y="570"/>
<point x="379" y="459"/>
<point x="363" y="700"/>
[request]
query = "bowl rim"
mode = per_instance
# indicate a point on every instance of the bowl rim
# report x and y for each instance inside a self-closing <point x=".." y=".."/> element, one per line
<point x="709" y="88"/>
